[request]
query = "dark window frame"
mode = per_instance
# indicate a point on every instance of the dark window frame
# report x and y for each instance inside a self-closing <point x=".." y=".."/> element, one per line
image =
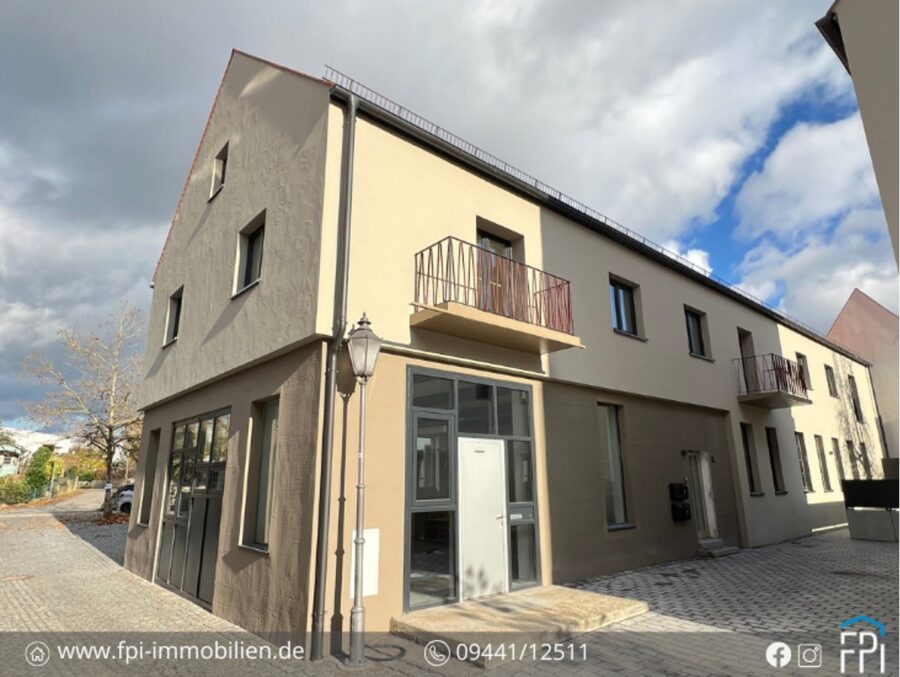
<point x="831" y="381"/>
<point x="702" y="333"/>
<point x="749" y="446"/>
<point x="803" y="458"/>
<point x="624" y="313"/>
<point x="414" y="505"/>
<point x="775" y="460"/>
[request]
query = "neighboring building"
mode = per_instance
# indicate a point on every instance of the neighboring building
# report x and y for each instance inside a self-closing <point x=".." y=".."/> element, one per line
<point x="864" y="35"/>
<point x="10" y="457"/>
<point x="871" y="331"/>
<point x="31" y="440"/>
<point x="548" y="386"/>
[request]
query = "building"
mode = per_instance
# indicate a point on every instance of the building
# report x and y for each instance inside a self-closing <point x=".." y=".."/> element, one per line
<point x="11" y="455"/>
<point x="871" y="331"/>
<point x="864" y="36"/>
<point x="556" y="397"/>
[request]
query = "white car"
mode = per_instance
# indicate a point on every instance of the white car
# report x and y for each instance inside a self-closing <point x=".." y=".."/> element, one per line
<point x="124" y="498"/>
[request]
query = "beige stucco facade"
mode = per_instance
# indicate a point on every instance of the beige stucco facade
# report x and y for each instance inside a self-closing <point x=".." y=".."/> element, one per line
<point x="865" y="35"/>
<point x="285" y="137"/>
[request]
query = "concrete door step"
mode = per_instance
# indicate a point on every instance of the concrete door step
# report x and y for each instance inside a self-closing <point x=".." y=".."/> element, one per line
<point x="540" y="615"/>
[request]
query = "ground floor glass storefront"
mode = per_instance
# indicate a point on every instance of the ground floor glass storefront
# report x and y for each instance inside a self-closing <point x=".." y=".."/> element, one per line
<point x="472" y="519"/>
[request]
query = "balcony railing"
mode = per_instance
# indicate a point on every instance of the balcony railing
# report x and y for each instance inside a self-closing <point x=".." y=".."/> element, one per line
<point x="456" y="271"/>
<point x="770" y="373"/>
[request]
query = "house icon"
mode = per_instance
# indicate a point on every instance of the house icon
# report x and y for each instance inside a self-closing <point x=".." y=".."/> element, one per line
<point x="850" y="622"/>
<point x="37" y="654"/>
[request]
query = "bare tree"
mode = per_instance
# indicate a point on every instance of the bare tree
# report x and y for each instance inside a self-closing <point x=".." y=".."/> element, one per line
<point x="91" y="390"/>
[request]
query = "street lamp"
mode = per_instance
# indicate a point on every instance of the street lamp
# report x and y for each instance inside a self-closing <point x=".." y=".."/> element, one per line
<point x="364" y="346"/>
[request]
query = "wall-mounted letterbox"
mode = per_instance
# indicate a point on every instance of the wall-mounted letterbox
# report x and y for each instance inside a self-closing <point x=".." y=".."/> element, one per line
<point x="678" y="491"/>
<point x="681" y="512"/>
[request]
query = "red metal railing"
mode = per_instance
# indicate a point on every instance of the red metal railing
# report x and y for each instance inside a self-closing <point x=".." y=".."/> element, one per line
<point x="454" y="270"/>
<point x="769" y="372"/>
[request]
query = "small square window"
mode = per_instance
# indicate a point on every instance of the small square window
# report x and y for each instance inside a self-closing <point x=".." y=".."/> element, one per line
<point x="250" y="253"/>
<point x="173" y="318"/>
<point x="218" y="171"/>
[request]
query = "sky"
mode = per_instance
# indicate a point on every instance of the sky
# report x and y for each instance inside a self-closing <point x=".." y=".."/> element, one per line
<point x="727" y="131"/>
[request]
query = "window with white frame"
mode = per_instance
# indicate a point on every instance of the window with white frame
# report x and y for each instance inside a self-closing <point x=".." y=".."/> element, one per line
<point x="173" y="316"/>
<point x="250" y="254"/>
<point x="220" y="162"/>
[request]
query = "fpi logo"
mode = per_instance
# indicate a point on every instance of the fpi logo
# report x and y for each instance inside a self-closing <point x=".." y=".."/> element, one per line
<point x="862" y="643"/>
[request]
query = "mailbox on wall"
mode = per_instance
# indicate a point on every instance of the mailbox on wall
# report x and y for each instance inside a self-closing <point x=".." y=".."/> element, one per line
<point x="678" y="491"/>
<point x="681" y="507"/>
<point x="681" y="512"/>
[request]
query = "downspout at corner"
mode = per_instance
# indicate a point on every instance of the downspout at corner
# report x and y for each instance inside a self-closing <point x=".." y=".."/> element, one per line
<point x="342" y="276"/>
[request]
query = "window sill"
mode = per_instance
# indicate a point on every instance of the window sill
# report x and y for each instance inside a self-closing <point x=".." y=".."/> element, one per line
<point x="141" y="524"/>
<point x="757" y="494"/>
<point x="170" y="342"/>
<point x="246" y="288"/>
<point x="637" y="337"/>
<point x="781" y="493"/>
<point x="621" y="527"/>
<point x="216" y="192"/>
<point x="706" y="358"/>
<point x="261" y="549"/>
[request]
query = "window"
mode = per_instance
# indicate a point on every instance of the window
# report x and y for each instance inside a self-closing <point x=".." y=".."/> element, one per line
<point x="432" y="459"/>
<point x="804" y="369"/>
<point x="829" y="378"/>
<point x="750" y="459"/>
<point x="494" y="244"/>
<point x="173" y="319"/>
<point x="476" y="408"/>
<point x="854" y="395"/>
<point x="838" y="461"/>
<point x="432" y="393"/>
<point x="218" y="172"/>
<point x="864" y="455"/>
<point x="823" y="463"/>
<point x="775" y="460"/>
<point x="611" y="443"/>
<point x="149" y="477"/>
<point x="261" y="473"/>
<point x="250" y="253"/>
<point x="698" y="340"/>
<point x="622" y="306"/>
<point x="854" y="462"/>
<point x="805" y="477"/>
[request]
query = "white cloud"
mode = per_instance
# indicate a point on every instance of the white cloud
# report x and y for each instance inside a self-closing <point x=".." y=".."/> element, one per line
<point x="817" y="172"/>
<point x="816" y="277"/>
<point x="699" y="257"/>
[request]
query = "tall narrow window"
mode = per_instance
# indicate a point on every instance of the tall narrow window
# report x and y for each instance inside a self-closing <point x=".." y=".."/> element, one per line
<point x="250" y="253"/>
<point x="610" y="439"/>
<point x="261" y="473"/>
<point x="173" y="319"/>
<point x="149" y="477"/>
<point x="854" y="395"/>
<point x="750" y="458"/>
<point x="864" y="455"/>
<point x="823" y="463"/>
<point x="838" y="460"/>
<point x="622" y="307"/>
<point x="775" y="460"/>
<point x="218" y="171"/>
<point x="804" y="369"/>
<point x="854" y="462"/>
<point x="696" y="332"/>
<point x="805" y="476"/>
<point x="829" y="378"/>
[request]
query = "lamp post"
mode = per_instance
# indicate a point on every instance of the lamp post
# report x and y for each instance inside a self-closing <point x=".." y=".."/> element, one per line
<point x="363" y="345"/>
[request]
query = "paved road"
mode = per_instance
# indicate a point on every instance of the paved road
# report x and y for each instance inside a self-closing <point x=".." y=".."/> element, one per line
<point x="709" y="617"/>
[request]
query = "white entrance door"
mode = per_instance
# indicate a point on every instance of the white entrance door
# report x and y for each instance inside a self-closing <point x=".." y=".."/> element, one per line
<point x="702" y="500"/>
<point x="482" y="517"/>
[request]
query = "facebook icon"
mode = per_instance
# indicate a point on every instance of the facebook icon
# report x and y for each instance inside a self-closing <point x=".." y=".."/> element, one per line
<point x="778" y="654"/>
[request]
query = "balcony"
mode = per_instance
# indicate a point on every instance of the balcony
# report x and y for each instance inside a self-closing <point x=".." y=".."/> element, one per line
<point x="770" y="381"/>
<point x="467" y="291"/>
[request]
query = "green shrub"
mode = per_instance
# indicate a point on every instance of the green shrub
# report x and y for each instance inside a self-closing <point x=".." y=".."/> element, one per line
<point x="14" y="489"/>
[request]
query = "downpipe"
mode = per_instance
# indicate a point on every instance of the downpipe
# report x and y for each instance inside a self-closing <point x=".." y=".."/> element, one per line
<point x="317" y="642"/>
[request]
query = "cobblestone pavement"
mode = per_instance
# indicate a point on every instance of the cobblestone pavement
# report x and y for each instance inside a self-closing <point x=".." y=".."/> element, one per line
<point x="709" y="617"/>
